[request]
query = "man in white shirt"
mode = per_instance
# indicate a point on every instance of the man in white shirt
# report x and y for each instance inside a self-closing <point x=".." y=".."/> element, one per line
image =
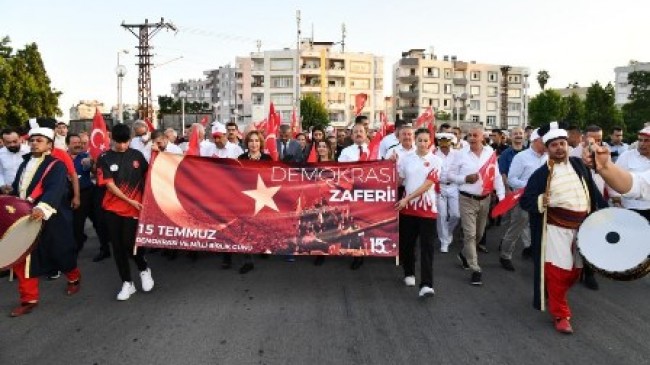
<point x="171" y="134"/>
<point x="11" y="156"/>
<point x="636" y="161"/>
<point x="405" y="145"/>
<point x="616" y="144"/>
<point x="222" y="147"/>
<point x="522" y="167"/>
<point x="142" y="139"/>
<point x="60" y="132"/>
<point x="447" y="200"/>
<point x="390" y="140"/>
<point x="160" y="143"/>
<point x="474" y="203"/>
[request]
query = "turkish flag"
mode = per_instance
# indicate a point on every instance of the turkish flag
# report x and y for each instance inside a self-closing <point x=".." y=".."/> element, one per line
<point x="271" y="132"/>
<point x="296" y="127"/>
<point x="313" y="156"/>
<point x="99" y="141"/>
<point x="193" y="147"/>
<point x="373" y="146"/>
<point x="487" y="173"/>
<point x="149" y="125"/>
<point x="425" y="118"/>
<point x="204" y="121"/>
<point x="504" y="206"/>
<point x="359" y="103"/>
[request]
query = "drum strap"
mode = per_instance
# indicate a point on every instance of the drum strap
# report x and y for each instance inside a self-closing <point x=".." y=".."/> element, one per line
<point x="38" y="189"/>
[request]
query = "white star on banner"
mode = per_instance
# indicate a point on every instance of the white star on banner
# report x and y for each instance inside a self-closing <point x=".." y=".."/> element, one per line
<point x="263" y="195"/>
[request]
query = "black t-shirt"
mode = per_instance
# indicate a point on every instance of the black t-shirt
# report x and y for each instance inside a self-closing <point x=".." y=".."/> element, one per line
<point x="263" y="157"/>
<point x="127" y="170"/>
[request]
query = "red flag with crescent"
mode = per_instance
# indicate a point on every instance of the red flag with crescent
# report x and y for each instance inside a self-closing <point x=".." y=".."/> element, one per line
<point x="149" y="125"/>
<point x="272" y="127"/>
<point x="99" y="141"/>
<point x="359" y="103"/>
<point x="204" y="121"/>
<point x="373" y="146"/>
<point x="509" y="201"/>
<point x="487" y="173"/>
<point x="296" y="127"/>
<point x="193" y="147"/>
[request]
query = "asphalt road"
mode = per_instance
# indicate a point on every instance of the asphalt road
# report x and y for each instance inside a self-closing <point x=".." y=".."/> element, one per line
<point x="297" y="313"/>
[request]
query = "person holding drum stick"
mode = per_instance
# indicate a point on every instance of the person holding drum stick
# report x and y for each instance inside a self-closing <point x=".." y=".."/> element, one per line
<point x="558" y="198"/>
<point x="42" y="180"/>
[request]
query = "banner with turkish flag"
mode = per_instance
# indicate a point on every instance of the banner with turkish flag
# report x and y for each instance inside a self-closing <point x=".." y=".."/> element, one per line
<point x="487" y="173"/>
<point x="270" y="207"/>
<point x="99" y="141"/>
<point x="359" y="103"/>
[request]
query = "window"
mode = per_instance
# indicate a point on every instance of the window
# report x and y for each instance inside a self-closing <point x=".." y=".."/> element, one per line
<point x="447" y="88"/>
<point x="360" y="84"/>
<point x="459" y="74"/>
<point x="281" y="64"/>
<point x="492" y="91"/>
<point x="446" y="103"/>
<point x="435" y="103"/>
<point x="432" y="72"/>
<point x="476" y="118"/>
<point x="475" y="75"/>
<point x="491" y="120"/>
<point x="493" y="76"/>
<point x="513" y="121"/>
<point x="431" y="88"/>
<point x="360" y="67"/>
<point x="448" y="73"/>
<point x="491" y="106"/>
<point x="514" y="107"/>
<point x="514" y="79"/>
<point x="282" y="82"/>
<point x="282" y="99"/>
<point x="258" y="99"/>
<point x="475" y="90"/>
<point x="475" y="105"/>
<point x="514" y="93"/>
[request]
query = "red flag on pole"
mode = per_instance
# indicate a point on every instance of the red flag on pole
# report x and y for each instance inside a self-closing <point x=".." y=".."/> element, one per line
<point x="99" y="141"/>
<point x="373" y="146"/>
<point x="149" y="125"/>
<point x="313" y="157"/>
<point x="359" y="103"/>
<point x="510" y="201"/>
<point x="272" y="126"/>
<point x="193" y="147"/>
<point x="204" y="121"/>
<point x="424" y="118"/>
<point x="296" y="127"/>
<point x="487" y="173"/>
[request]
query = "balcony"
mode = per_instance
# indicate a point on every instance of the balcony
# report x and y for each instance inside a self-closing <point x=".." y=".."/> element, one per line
<point x="333" y="72"/>
<point x="335" y="105"/>
<point x="411" y="109"/>
<point x="408" y="79"/>
<point x="409" y="94"/>
<point x="460" y="65"/>
<point x="409" y="61"/>
<point x="460" y="81"/>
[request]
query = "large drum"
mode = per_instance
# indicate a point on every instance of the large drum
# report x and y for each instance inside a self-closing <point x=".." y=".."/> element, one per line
<point x="616" y="243"/>
<point x="18" y="232"/>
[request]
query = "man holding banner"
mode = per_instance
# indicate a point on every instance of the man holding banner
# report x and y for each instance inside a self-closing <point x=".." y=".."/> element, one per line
<point x="476" y="172"/>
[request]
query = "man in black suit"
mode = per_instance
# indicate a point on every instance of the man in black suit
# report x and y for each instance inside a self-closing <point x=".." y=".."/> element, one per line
<point x="288" y="148"/>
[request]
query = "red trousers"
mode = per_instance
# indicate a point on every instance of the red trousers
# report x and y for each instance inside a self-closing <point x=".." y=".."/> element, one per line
<point x="28" y="287"/>
<point x="558" y="281"/>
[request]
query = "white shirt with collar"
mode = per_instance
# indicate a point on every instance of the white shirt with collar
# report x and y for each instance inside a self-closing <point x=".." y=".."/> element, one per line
<point x="229" y="150"/>
<point x="352" y="154"/>
<point x="386" y="143"/>
<point x="523" y="165"/>
<point x="142" y="144"/>
<point x="9" y="163"/>
<point x="59" y="142"/>
<point x="172" y="148"/>
<point x="448" y="186"/>
<point x="635" y="163"/>
<point x="640" y="186"/>
<point x="398" y="150"/>
<point x="467" y="163"/>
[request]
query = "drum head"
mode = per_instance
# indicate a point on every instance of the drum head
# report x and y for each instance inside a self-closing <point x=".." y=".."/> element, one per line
<point x="615" y="239"/>
<point x="18" y="241"/>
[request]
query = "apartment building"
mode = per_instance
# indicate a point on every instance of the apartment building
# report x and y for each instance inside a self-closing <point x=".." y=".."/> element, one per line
<point x="196" y="90"/>
<point x="623" y="89"/>
<point x="319" y="70"/>
<point x="85" y="109"/>
<point x="494" y="95"/>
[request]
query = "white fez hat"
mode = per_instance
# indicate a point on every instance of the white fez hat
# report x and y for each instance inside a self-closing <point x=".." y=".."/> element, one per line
<point x="40" y="131"/>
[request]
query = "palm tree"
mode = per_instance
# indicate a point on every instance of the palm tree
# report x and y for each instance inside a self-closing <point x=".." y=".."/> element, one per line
<point x="542" y="78"/>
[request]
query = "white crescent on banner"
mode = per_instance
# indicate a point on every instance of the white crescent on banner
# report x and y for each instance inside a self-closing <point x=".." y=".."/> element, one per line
<point x="163" y="175"/>
<point x="92" y="139"/>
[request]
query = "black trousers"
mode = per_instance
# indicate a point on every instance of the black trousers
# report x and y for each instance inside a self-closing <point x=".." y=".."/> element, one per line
<point x="410" y="229"/>
<point x="96" y="216"/>
<point x="122" y="231"/>
<point x="79" y="216"/>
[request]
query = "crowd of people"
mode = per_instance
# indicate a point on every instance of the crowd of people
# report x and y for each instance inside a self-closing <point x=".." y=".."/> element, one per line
<point x="448" y="183"/>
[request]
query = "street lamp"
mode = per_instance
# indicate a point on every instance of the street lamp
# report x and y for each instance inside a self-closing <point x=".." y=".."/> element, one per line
<point x="182" y="95"/>
<point x="120" y="71"/>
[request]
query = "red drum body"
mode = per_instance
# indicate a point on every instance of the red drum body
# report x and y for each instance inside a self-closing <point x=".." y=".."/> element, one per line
<point x="18" y="233"/>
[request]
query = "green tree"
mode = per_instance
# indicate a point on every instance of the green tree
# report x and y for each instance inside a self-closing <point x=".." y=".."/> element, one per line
<point x="442" y="115"/>
<point x="25" y="88"/>
<point x="546" y="107"/>
<point x="542" y="78"/>
<point x="313" y="113"/>
<point x="637" y="111"/>
<point x="574" y="110"/>
<point x="600" y="108"/>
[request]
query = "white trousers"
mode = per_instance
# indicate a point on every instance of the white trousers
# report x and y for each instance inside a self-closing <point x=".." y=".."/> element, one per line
<point x="448" y="216"/>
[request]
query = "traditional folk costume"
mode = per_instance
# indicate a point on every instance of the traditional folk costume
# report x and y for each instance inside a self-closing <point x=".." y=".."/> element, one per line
<point x="572" y="196"/>
<point x="43" y="180"/>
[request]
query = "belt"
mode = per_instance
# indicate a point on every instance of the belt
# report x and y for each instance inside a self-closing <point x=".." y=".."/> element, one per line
<point x="472" y="196"/>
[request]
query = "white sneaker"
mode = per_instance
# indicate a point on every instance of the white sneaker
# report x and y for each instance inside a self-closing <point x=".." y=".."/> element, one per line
<point x="128" y="289"/>
<point x="426" y="291"/>
<point x="409" y="281"/>
<point x="147" y="280"/>
<point x="444" y="248"/>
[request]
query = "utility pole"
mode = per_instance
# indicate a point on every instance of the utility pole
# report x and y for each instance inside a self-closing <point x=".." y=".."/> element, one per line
<point x="504" y="97"/>
<point x="298" y="65"/>
<point x="144" y="32"/>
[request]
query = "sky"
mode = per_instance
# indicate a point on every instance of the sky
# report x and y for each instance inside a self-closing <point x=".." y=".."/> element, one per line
<point x="574" y="40"/>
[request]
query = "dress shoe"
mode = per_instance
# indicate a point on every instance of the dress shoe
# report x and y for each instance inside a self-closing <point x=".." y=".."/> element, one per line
<point x="476" y="279"/>
<point x="24" y="308"/>
<point x="4" y="273"/>
<point x="589" y="280"/>
<point x="73" y="287"/>
<point x="357" y="262"/>
<point x="526" y="253"/>
<point x="320" y="260"/>
<point x="54" y="275"/>
<point x="246" y="268"/>
<point x="506" y="264"/>
<point x="563" y="325"/>
<point x="101" y="256"/>
<point x="463" y="261"/>
<point x="482" y="248"/>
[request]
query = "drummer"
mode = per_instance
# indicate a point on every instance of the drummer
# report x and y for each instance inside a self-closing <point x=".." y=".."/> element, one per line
<point x="42" y="180"/>
<point x="558" y="197"/>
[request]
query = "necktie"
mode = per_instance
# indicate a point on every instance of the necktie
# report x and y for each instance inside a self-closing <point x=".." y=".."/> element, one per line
<point x="282" y="149"/>
<point x="363" y="156"/>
